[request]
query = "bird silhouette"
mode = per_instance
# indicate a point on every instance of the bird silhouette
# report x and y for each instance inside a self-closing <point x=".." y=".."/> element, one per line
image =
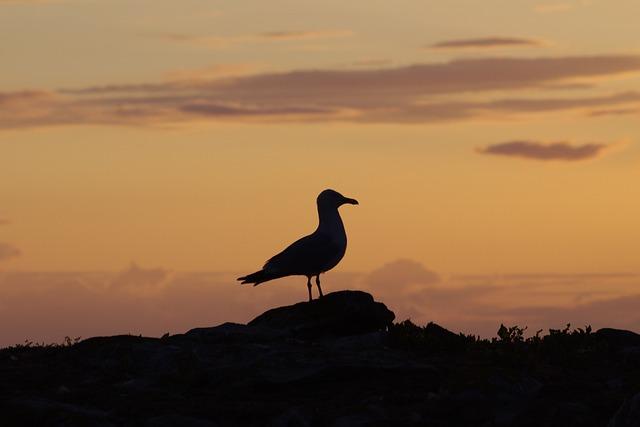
<point x="314" y="254"/>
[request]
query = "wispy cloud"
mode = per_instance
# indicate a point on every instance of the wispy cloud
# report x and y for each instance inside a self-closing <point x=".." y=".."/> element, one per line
<point x="400" y="95"/>
<point x="615" y="112"/>
<point x="216" y="71"/>
<point x="477" y="75"/>
<point x="426" y="112"/>
<point x="267" y="37"/>
<point x="12" y="99"/>
<point x="486" y="42"/>
<point x="304" y="35"/>
<point x="564" y="151"/>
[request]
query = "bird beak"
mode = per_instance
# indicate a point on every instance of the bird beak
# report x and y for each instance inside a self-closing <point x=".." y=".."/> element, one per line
<point x="350" y="201"/>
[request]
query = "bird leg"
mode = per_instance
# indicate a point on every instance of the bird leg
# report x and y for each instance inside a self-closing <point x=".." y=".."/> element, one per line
<point x="318" y="284"/>
<point x="309" y="287"/>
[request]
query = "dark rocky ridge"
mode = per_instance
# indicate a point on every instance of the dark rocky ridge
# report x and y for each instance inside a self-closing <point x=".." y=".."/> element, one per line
<point x="336" y="362"/>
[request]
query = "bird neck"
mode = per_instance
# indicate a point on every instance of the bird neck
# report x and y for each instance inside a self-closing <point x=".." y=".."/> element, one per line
<point x="330" y="221"/>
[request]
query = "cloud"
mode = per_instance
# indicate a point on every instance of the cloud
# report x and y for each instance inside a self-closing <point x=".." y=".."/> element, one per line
<point x="479" y="304"/>
<point x="614" y="112"/>
<point x="24" y="97"/>
<point x="486" y="42"/>
<point x="267" y="37"/>
<point x="400" y="83"/>
<point x="413" y="291"/>
<point x="138" y="279"/>
<point x="555" y="104"/>
<point x="619" y="312"/>
<point x="152" y="301"/>
<point x="7" y="251"/>
<point x="304" y="35"/>
<point x="535" y="150"/>
<point x="492" y="109"/>
<point x="208" y="109"/>
<point x="569" y="277"/>
<point x="404" y="94"/>
<point x="400" y="274"/>
<point x="216" y="71"/>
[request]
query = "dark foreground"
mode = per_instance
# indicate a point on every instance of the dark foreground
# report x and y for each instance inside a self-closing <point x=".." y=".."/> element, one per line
<point x="334" y="362"/>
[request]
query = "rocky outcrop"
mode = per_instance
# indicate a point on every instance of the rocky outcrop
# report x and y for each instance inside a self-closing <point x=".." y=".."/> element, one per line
<point x="340" y="313"/>
<point x="628" y="415"/>
<point x="619" y="338"/>
<point x="332" y="362"/>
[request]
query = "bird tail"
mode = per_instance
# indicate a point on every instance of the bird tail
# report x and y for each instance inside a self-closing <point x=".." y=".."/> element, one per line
<point x="258" y="277"/>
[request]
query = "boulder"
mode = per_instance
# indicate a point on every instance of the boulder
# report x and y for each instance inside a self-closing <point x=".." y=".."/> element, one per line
<point x="628" y="415"/>
<point x="618" y="338"/>
<point x="340" y="313"/>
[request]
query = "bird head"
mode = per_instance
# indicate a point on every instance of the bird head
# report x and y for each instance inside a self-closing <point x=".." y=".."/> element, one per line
<point x="333" y="199"/>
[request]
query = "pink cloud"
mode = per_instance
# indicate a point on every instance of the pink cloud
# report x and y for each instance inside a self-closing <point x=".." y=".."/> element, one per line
<point x="486" y="42"/>
<point x="153" y="301"/>
<point x="374" y="95"/>
<point x="535" y="150"/>
<point x="401" y="273"/>
<point x="219" y="42"/>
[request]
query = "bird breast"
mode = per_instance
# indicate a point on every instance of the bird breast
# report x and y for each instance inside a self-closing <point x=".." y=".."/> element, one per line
<point x="332" y="227"/>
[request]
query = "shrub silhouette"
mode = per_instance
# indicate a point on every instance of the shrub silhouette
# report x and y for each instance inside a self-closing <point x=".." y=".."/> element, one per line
<point x="559" y="346"/>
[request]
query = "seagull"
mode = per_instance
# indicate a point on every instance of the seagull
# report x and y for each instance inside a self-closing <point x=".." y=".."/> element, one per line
<point x="314" y="254"/>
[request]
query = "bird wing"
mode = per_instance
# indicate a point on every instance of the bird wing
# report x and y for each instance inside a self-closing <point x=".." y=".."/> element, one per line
<point x="307" y="256"/>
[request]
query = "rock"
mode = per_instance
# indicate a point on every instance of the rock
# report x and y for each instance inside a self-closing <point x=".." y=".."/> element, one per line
<point x="41" y="411"/>
<point x="556" y="412"/>
<point x="230" y="333"/>
<point x="291" y="417"/>
<point x="628" y="415"/>
<point x="355" y="371"/>
<point x="571" y="414"/>
<point x="336" y="314"/>
<point x="432" y="338"/>
<point x="177" y="420"/>
<point x="618" y="338"/>
<point x="443" y="338"/>
<point x="525" y="386"/>
<point x="371" y="340"/>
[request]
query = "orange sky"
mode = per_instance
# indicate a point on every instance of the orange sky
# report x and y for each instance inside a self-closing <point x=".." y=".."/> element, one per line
<point x="481" y="138"/>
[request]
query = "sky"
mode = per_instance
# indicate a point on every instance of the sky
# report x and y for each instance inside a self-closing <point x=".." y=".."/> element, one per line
<point x="493" y="144"/>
